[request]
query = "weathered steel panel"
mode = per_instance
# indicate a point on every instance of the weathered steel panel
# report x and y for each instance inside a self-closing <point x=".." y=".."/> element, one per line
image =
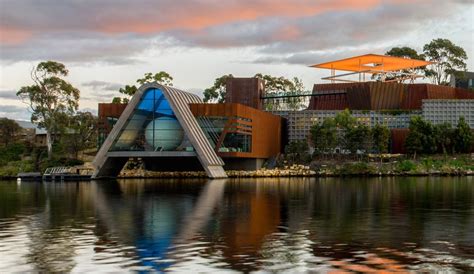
<point x="462" y="93"/>
<point x="398" y="137"/>
<point x="334" y="98"/>
<point x="440" y="92"/>
<point x="386" y="95"/>
<point x="414" y="95"/>
<point x="358" y="96"/>
<point x="245" y="91"/>
<point x="266" y="127"/>
<point x="108" y="110"/>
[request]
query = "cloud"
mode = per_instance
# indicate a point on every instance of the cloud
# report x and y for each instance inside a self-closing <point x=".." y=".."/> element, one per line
<point x="108" y="32"/>
<point x="102" y="85"/>
<point x="8" y="94"/>
<point x="14" y="112"/>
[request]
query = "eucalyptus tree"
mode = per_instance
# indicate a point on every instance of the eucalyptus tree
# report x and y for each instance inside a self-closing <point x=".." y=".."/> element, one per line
<point x="448" y="59"/>
<point x="50" y="98"/>
<point x="161" y="77"/>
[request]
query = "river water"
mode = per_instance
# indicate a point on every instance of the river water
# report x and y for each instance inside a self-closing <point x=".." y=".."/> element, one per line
<point x="276" y="225"/>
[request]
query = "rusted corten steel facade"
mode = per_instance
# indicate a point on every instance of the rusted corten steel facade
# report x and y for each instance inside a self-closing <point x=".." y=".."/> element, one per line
<point x="245" y="91"/>
<point x="265" y="128"/>
<point x="415" y="93"/>
<point x="381" y="95"/>
<point x="108" y="110"/>
<point x="332" y="96"/>
<point x="398" y="137"/>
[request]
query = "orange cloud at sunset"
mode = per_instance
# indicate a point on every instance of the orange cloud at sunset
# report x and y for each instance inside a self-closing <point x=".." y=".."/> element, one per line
<point x="195" y="17"/>
<point x="13" y="36"/>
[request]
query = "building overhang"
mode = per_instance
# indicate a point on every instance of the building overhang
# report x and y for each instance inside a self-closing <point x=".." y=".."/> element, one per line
<point x="371" y="64"/>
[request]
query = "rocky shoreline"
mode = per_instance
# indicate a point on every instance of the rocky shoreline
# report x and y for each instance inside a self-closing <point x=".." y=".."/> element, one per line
<point x="290" y="171"/>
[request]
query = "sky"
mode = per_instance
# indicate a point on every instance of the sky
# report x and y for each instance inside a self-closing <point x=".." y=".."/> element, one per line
<point x="107" y="44"/>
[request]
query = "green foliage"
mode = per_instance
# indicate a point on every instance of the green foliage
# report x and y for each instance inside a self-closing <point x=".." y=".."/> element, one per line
<point x="9" y="129"/>
<point x="404" y="52"/>
<point x="11" y="152"/>
<point x="343" y="131"/>
<point x="297" y="147"/>
<point x="281" y="86"/>
<point x="448" y="59"/>
<point x="381" y="138"/>
<point x="81" y="133"/>
<point x="274" y="86"/>
<point x="11" y="169"/>
<point x="298" y="152"/>
<point x="345" y="120"/>
<point x="463" y="137"/>
<point x="358" y="138"/>
<point x="428" y="139"/>
<point x="217" y="92"/>
<point x="161" y="77"/>
<point x="324" y="136"/>
<point x="127" y="90"/>
<point x="359" y="168"/>
<point x="444" y="137"/>
<point x="406" y="166"/>
<point x="422" y="137"/>
<point x="51" y="98"/>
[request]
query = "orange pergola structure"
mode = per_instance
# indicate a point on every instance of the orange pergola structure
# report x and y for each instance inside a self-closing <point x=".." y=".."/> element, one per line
<point x="373" y="64"/>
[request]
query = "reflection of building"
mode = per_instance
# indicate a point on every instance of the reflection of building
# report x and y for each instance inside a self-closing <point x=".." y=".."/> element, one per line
<point x="172" y="130"/>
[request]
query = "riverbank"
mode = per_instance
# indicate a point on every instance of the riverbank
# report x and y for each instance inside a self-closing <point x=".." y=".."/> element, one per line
<point x="438" y="165"/>
<point x="460" y="165"/>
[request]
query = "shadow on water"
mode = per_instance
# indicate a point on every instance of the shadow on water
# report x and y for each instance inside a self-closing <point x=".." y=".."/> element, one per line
<point x="297" y="224"/>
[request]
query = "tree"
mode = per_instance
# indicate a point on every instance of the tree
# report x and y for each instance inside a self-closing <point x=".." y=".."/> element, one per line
<point x="444" y="137"/>
<point x="297" y="150"/>
<point x="344" y="119"/>
<point x="381" y="138"/>
<point x="281" y="86"/>
<point x="403" y="52"/>
<point x="422" y="137"/>
<point x="161" y="77"/>
<point x="50" y="99"/>
<point x="358" y="138"/>
<point x="463" y="137"/>
<point x="119" y="100"/>
<point x="413" y="143"/>
<point x="218" y="90"/>
<point x="324" y="136"/>
<point x="80" y="133"/>
<point x="128" y="90"/>
<point x="9" y="129"/>
<point x="448" y="59"/>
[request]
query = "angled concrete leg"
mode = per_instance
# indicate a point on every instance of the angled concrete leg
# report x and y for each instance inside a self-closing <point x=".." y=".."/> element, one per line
<point x="111" y="167"/>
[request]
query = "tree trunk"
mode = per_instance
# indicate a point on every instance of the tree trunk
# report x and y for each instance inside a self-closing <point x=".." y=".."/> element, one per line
<point x="49" y="143"/>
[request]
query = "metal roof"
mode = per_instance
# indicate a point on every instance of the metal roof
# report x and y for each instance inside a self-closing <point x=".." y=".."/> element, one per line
<point x="372" y="63"/>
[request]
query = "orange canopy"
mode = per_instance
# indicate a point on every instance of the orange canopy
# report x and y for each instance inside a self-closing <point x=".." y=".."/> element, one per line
<point x="373" y="63"/>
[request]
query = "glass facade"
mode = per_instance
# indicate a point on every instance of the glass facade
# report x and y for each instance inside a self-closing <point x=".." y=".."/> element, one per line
<point x="228" y="134"/>
<point x="151" y="127"/>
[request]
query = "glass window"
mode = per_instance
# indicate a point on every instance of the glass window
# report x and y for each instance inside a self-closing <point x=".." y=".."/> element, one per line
<point x="152" y="126"/>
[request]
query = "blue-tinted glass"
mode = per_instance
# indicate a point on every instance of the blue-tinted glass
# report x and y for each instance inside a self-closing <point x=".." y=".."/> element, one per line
<point x="152" y="127"/>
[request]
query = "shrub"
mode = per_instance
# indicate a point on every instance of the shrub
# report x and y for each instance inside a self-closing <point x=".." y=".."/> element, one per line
<point x="360" y="168"/>
<point x="13" y="168"/>
<point x="406" y="166"/>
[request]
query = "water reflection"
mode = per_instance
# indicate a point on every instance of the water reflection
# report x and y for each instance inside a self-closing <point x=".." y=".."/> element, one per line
<point x="281" y="224"/>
